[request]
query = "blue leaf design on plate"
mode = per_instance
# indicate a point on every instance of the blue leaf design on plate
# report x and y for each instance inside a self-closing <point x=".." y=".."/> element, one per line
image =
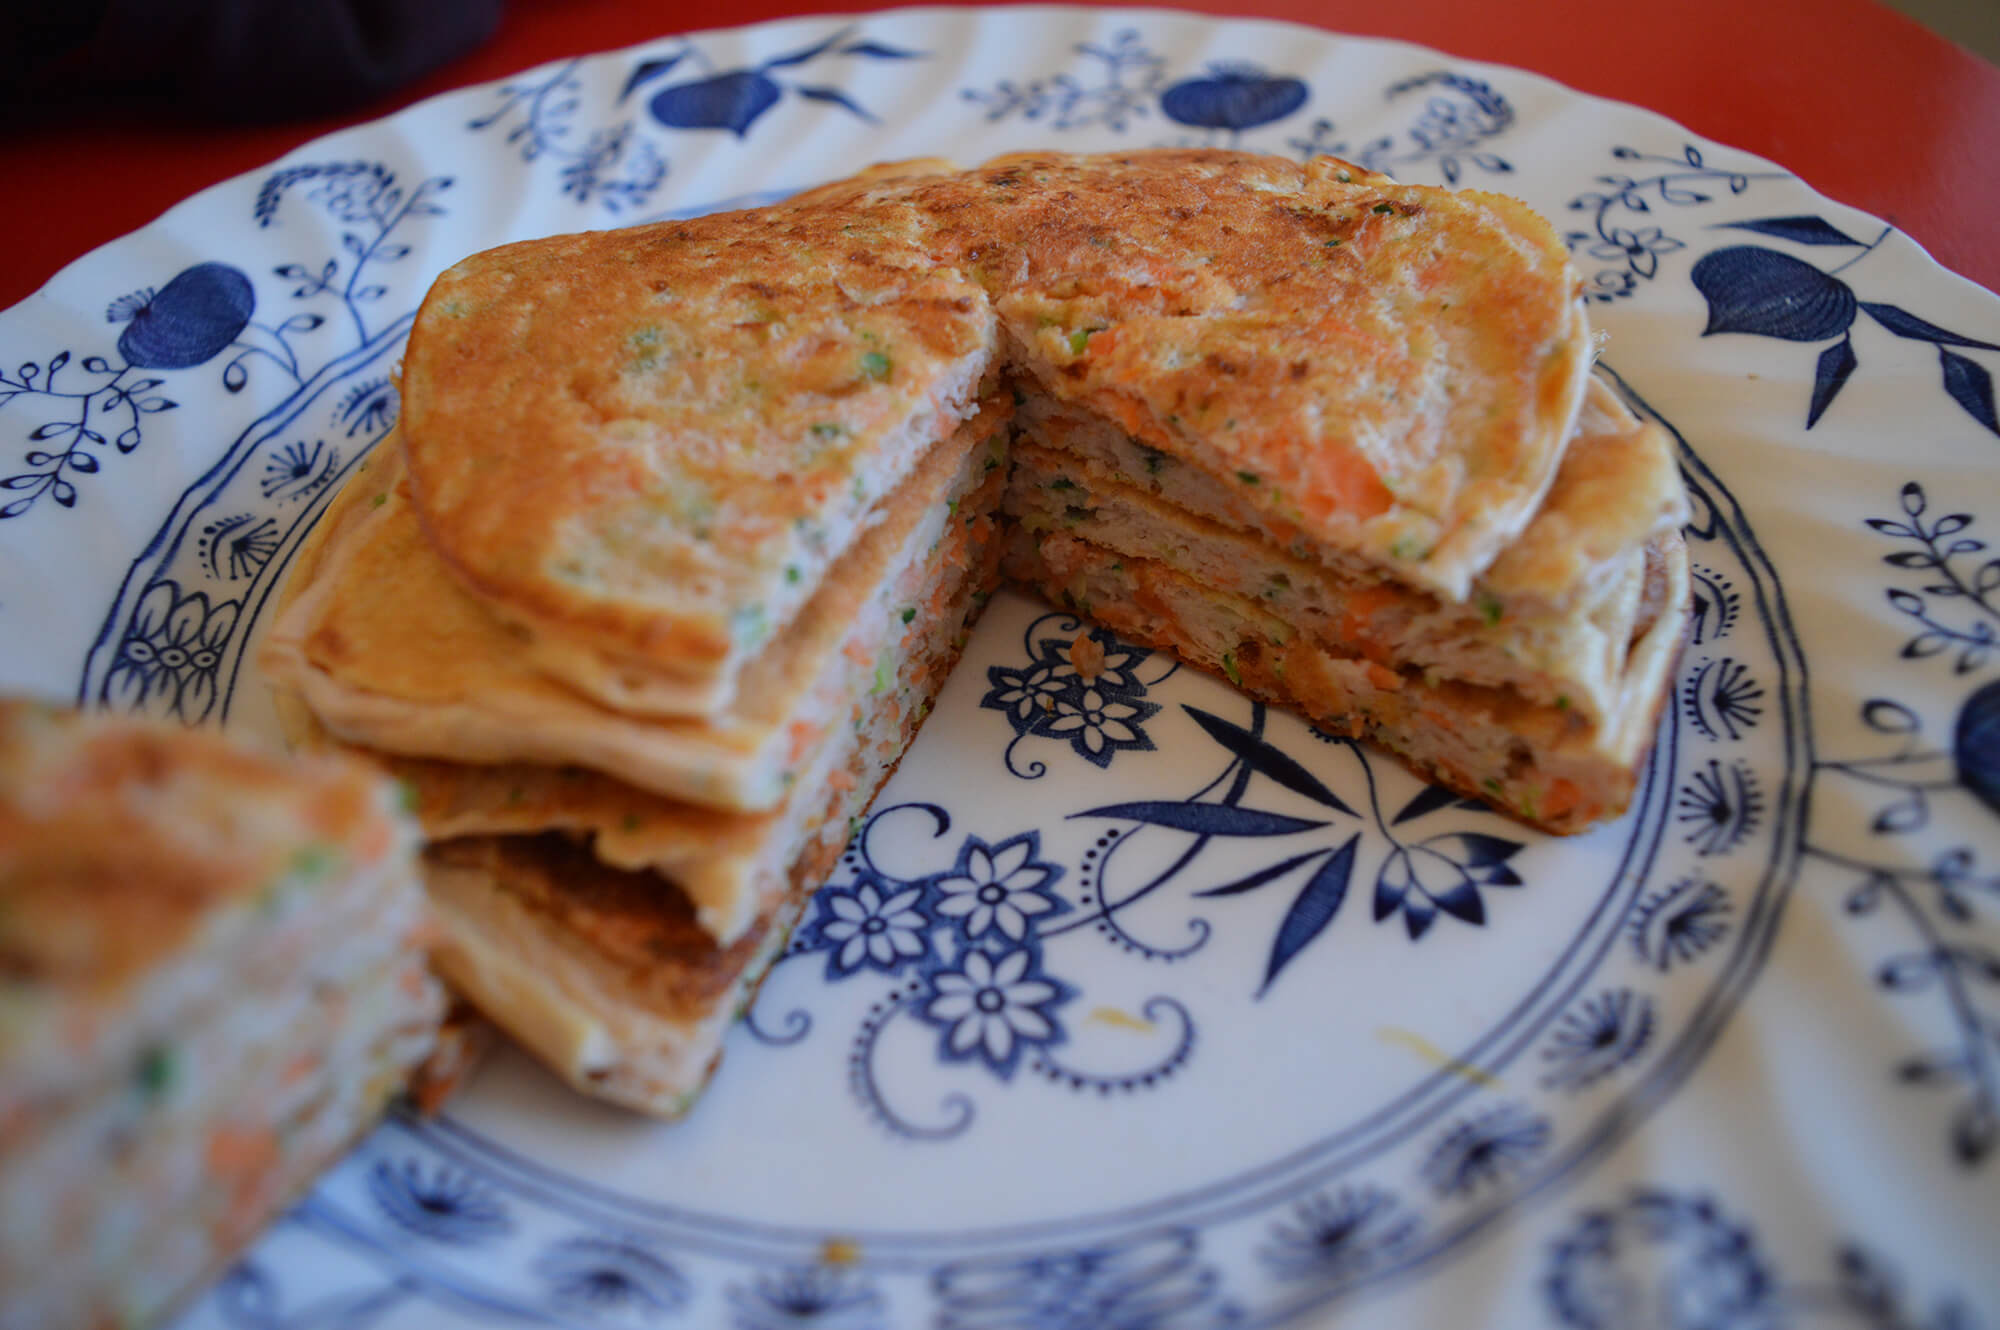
<point x="1204" y="819"/>
<point x="731" y="101"/>
<point x="1975" y="745"/>
<point x="1751" y="289"/>
<point x="1970" y="386"/>
<point x="1799" y="230"/>
<point x="1905" y="324"/>
<point x="1835" y="364"/>
<point x="647" y="71"/>
<point x="799" y="57"/>
<point x="836" y="96"/>
<point x="1266" y="760"/>
<point x="1318" y="901"/>
<point x="880" y="51"/>
<point x="1261" y="876"/>
<point x="1429" y="800"/>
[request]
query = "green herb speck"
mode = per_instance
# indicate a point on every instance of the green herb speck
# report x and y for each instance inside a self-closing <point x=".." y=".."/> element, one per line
<point x="826" y="429"/>
<point x="1490" y="609"/>
<point x="1062" y="483"/>
<point x="1383" y="207"/>
<point x="1229" y="668"/>
<point x="792" y="573"/>
<point x="875" y="365"/>
<point x="1247" y="477"/>
<point x="909" y="613"/>
<point x="155" y="1072"/>
<point x="379" y="500"/>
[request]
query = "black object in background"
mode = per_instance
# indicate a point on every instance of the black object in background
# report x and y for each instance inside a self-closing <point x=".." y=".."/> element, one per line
<point x="240" y="60"/>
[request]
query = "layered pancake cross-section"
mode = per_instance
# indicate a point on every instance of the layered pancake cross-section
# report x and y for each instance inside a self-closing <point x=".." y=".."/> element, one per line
<point x="684" y="525"/>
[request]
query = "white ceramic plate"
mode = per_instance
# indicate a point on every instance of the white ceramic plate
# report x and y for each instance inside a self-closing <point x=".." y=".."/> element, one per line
<point x="1273" y="1032"/>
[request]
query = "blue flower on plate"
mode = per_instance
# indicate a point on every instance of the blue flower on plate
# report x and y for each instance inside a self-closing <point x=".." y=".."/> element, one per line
<point x="168" y="660"/>
<point x="826" y="1297"/>
<point x="1486" y="1150"/>
<point x="1660" y="1258"/>
<point x="1097" y="726"/>
<point x="992" y="1009"/>
<point x="441" y="1203"/>
<point x="1640" y="248"/>
<point x="1026" y="695"/>
<point x="1001" y="887"/>
<point x="1340" y="1236"/>
<point x="869" y="924"/>
<point x="606" y="1275"/>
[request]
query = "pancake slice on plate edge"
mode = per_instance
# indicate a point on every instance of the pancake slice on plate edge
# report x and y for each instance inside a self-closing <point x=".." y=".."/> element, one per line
<point x="683" y="525"/>
<point x="212" y="979"/>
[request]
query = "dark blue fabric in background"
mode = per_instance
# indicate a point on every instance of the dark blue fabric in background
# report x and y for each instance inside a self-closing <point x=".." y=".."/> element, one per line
<point x="240" y="60"/>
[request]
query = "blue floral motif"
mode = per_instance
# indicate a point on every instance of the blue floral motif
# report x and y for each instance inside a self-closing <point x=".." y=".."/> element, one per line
<point x="612" y="167"/>
<point x="371" y="204"/>
<point x="167" y="664"/>
<point x="598" y="1274"/>
<point x="188" y="322"/>
<point x="1098" y="708"/>
<point x="1417" y="879"/>
<point x="1937" y="903"/>
<point x="1121" y="90"/>
<point x="1597" y="1037"/>
<point x="1459" y="115"/>
<point x="167" y="646"/>
<point x="1340" y="1237"/>
<point x="1720" y="806"/>
<point x="994" y="1010"/>
<point x="443" y="1204"/>
<point x="998" y="890"/>
<point x="871" y="924"/>
<point x="1716" y="606"/>
<point x="1764" y="292"/>
<point x="1485" y="1150"/>
<point x="1678" y="1261"/>
<point x="1632" y="248"/>
<point x="1722" y="698"/>
<point x="1677" y="923"/>
<point x="822" y="1297"/>
<point x="734" y="99"/>
<point x="968" y="945"/>
<point x="1151" y="1282"/>
<point x="1664" y="1259"/>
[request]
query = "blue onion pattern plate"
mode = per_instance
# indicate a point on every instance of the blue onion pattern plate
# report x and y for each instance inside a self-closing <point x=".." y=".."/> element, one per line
<point x="1136" y="1004"/>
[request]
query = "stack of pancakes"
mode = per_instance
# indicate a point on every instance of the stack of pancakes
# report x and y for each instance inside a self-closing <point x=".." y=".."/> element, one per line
<point x="684" y="524"/>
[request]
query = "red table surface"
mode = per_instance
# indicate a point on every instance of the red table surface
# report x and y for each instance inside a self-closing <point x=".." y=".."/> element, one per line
<point x="1862" y="103"/>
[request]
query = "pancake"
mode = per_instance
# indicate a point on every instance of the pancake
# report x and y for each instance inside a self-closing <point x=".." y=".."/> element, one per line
<point x="1617" y="490"/>
<point x="688" y="521"/>
<point x="612" y="976"/>
<point x="212" y="977"/>
<point x="391" y="654"/>
<point x="646" y="446"/>
<point x="1546" y="764"/>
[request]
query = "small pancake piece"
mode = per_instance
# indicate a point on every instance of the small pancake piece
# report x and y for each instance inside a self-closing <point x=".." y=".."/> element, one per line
<point x="646" y="447"/>
<point x="212" y="978"/>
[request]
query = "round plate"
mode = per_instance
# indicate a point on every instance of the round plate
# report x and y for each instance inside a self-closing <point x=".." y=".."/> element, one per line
<point x="1134" y="1003"/>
